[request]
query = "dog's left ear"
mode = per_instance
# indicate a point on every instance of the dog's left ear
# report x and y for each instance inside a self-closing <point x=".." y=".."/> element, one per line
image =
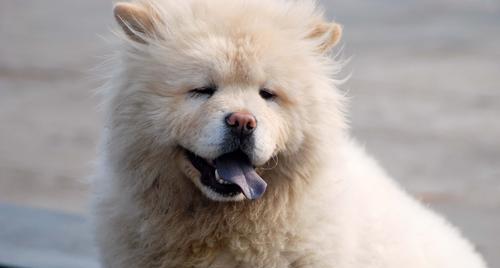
<point x="137" y="21"/>
<point x="327" y="34"/>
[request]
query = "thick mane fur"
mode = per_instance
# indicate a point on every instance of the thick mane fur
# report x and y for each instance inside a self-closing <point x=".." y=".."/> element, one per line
<point x="173" y="221"/>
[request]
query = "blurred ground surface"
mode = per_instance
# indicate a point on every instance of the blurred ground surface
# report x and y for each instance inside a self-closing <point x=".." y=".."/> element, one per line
<point x="24" y="239"/>
<point x="425" y="101"/>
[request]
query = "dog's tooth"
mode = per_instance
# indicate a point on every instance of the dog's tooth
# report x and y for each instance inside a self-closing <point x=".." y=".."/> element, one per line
<point x="218" y="178"/>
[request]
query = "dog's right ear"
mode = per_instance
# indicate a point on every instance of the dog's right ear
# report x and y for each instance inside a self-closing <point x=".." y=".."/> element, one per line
<point x="137" y="22"/>
<point x="327" y="34"/>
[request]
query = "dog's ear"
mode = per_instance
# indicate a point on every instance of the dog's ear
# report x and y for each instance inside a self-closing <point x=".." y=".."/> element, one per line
<point x="137" y="22"/>
<point x="327" y="34"/>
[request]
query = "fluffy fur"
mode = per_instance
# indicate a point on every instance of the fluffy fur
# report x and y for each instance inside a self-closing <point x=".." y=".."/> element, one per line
<point x="327" y="204"/>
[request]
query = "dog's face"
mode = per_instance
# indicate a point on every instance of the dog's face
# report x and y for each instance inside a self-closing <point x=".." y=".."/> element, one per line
<point x="229" y="92"/>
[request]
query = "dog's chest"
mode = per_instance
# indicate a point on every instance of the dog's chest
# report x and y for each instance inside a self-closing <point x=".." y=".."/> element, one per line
<point x="254" y="245"/>
<point x="235" y="258"/>
<point x="208" y="235"/>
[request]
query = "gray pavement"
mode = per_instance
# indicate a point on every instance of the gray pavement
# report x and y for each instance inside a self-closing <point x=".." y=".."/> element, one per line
<point x="40" y="238"/>
<point x="425" y="100"/>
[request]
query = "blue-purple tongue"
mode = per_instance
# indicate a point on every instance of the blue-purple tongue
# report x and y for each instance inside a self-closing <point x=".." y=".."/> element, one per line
<point x="236" y="168"/>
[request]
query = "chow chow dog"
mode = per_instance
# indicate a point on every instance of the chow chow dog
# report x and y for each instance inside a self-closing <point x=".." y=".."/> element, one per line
<point x="226" y="145"/>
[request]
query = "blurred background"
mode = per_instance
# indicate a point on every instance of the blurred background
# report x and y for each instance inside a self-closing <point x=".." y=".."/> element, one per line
<point x="425" y="101"/>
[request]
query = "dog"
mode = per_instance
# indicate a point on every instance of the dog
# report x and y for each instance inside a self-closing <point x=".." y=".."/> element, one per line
<point x="226" y="145"/>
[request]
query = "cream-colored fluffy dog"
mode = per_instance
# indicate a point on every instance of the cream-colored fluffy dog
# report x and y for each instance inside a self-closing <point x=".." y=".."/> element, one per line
<point x="226" y="146"/>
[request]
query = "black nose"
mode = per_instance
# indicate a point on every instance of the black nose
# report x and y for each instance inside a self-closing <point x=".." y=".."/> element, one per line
<point x="241" y="123"/>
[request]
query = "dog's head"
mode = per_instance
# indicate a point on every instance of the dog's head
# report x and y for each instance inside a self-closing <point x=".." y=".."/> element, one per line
<point x="232" y="84"/>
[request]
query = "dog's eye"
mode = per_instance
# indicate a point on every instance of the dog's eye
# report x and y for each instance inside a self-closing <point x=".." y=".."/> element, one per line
<point x="267" y="94"/>
<point x="208" y="91"/>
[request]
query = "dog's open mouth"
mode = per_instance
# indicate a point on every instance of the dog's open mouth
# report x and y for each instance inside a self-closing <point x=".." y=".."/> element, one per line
<point x="229" y="175"/>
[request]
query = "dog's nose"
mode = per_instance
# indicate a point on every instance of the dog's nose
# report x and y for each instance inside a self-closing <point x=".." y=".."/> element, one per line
<point x="241" y="123"/>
